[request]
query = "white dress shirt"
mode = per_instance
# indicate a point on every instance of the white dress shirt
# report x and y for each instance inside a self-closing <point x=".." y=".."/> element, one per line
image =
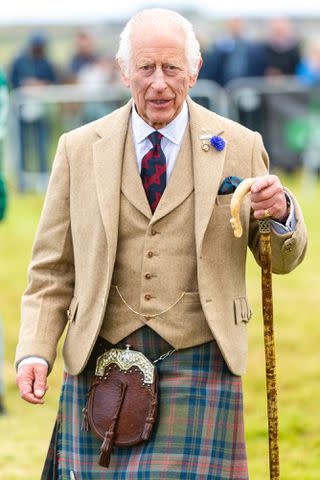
<point x="170" y="144"/>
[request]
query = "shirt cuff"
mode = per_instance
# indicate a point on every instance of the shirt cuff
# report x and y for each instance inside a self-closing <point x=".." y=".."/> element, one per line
<point x="291" y="221"/>
<point x="28" y="360"/>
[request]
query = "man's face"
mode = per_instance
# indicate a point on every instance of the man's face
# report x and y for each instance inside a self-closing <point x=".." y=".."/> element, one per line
<point x="38" y="50"/>
<point x="158" y="76"/>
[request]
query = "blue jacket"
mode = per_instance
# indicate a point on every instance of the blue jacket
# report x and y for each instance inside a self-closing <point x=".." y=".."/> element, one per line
<point x="25" y="66"/>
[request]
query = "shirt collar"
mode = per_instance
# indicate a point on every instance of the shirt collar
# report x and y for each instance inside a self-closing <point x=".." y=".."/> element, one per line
<point x="173" y="131"/>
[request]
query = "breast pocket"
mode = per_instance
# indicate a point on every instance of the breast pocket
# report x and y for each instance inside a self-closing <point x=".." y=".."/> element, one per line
<point x="223" y="199"/>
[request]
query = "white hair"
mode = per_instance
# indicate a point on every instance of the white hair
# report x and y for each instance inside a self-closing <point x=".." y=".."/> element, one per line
<point x="162" y="17"/>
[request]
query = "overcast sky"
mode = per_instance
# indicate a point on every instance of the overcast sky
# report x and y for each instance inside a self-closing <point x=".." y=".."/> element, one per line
<point x="25" y="11"/>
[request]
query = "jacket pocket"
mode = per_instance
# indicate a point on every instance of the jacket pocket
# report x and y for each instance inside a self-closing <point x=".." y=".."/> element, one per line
<point x="223" y="199"/>
<point x="72" y="310"/>
<point x="242" y="310"/>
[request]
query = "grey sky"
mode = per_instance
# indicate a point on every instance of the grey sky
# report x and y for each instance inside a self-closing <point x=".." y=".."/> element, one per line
<point x="22" y="11"/>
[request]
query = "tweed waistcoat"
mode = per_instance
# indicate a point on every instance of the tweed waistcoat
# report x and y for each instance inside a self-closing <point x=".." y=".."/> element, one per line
<point x="154" y="281"/>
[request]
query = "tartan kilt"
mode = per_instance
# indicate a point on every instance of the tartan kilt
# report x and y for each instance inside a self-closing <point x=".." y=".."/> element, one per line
<point x="199" y="434"/>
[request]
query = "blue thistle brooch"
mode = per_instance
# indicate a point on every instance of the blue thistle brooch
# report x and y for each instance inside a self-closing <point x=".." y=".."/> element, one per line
<point x="214" y="140"/>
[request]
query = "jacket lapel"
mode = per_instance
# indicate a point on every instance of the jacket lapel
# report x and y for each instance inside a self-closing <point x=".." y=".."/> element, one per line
<point x="107" y="156"/>
<point x="131" y="185"/>
<point x="207" y="165"/>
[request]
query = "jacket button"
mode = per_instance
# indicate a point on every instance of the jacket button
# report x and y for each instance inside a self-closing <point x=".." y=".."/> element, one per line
<point x="154" y="232"/>
<point x="147" y="296"/>
<point x="148" y="276"/>
<point x="150" y="254"/>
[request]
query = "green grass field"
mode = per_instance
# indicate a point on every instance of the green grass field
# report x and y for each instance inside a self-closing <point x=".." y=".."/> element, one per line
<point x="26" y="429"/>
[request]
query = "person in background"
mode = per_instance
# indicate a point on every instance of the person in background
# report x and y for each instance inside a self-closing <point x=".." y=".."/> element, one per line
<point x="85" y="53"/>
<point x="308" y="70"/>
<point x="92" y="72"/>
<point x="281" y="49"/>
<point x="87" y="66"/>
<point x="33" y="68"/>
<point x="233" y="56"/>
<point x="94" y="77"/>
<point x="3" y="204"/>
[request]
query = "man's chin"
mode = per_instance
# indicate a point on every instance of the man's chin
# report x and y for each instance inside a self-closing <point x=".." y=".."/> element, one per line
<point x="160" y="121"/>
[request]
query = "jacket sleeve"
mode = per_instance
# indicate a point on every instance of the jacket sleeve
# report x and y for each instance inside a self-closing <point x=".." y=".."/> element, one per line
<point x="51" y="271"/>
<point x="288" y="250"/>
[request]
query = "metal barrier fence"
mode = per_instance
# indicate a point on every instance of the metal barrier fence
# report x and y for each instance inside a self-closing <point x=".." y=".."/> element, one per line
<point x="40" y="115"/>
<point x="286" y="113"/>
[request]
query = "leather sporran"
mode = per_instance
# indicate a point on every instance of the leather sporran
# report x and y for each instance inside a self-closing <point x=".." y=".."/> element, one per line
<point x="122" y="400"/>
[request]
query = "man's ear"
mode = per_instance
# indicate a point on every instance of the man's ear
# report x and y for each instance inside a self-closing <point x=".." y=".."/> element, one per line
<point x="124" y="77"/>
<point x="193" y="78"/>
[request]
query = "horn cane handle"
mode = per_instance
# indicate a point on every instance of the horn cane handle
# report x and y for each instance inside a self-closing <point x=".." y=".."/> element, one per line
<point x="240" y="192"/>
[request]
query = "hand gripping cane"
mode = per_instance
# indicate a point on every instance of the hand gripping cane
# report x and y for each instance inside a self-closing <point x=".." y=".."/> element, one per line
<point x="267" y="306"/>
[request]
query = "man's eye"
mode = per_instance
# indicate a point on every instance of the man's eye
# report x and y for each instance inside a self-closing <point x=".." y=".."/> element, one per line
<point x="146" y="68"/>
<point x="171" y="68"/>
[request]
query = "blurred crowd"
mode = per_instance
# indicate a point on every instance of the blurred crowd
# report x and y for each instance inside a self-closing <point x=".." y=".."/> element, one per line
<point x="33" y="65"/>
<point x="231" y="56"/>
<point x="234" y="55"/>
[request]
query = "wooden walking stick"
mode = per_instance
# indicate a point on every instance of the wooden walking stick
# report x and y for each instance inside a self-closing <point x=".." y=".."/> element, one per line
<point x="267" y="307"/>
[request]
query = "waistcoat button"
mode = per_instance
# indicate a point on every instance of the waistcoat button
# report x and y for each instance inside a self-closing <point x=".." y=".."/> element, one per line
<point x="150" y="254"/>
<point x="153" y="232"/>
<point x="148" y="276"/>
<point x="147" y="296"/>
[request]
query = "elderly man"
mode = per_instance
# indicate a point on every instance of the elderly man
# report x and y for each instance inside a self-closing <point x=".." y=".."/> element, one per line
<point x="135" y="247"/>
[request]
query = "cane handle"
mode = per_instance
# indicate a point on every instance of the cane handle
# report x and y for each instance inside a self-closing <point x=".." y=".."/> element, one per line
<point x="240" y="192"/>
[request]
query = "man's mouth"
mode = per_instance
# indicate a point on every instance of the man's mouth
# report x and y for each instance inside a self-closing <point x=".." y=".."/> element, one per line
<point x="160" y="102"/>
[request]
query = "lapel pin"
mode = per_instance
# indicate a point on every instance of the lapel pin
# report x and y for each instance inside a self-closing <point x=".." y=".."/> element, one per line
<point x="215" y="141"/>
<point x="205" y="147"/>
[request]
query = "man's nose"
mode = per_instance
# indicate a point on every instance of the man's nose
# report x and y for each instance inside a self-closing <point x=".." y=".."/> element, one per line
<point x="158" y="79"/>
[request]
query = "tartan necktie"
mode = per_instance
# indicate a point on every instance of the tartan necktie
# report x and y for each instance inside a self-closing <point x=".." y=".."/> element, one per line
<point x="154" y="171"/>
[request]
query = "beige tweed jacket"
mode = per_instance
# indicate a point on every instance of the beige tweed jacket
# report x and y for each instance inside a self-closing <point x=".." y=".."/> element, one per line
<point x="75" y="247"/>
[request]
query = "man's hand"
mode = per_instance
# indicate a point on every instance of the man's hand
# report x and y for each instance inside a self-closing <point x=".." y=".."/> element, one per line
<point x="268" y="197"/>
<point x="32" y="382"/>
